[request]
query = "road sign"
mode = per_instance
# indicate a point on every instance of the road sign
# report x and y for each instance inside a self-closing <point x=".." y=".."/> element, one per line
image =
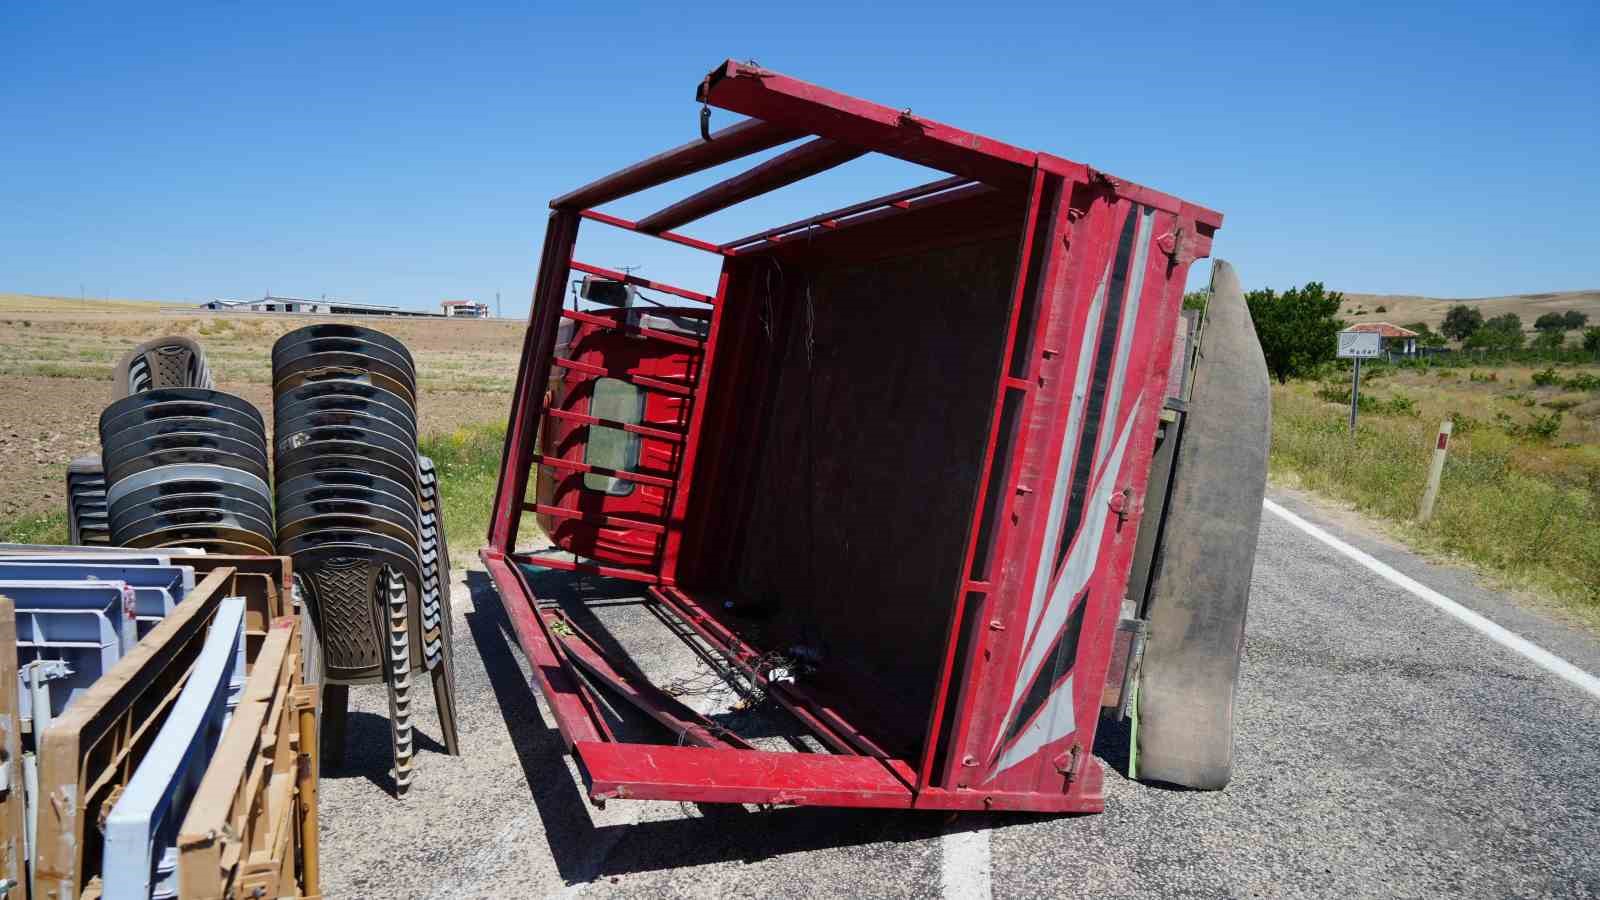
<point x="1360" y="345"/>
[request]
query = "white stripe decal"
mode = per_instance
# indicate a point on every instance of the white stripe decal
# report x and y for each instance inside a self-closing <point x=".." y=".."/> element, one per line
<point x="1079" y="567"/>
<point x="1062" y="485"/>
<point x="1130" y="318"/>
<point x="1055" y="720"/>
<point x="1506" y="638"/>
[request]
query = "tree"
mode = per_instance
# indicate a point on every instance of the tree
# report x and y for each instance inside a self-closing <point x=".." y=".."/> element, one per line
<point x="1461" y="322"/>
<point x="1500" y="333"/>
<point x="1550" y="339"/>
<point x="1551" y="321"/>
<point x="1196" y="299"/>
<point x="1575" y="320"/>
<point x="1591" y="339"/>
<point x="1297" y="328"/>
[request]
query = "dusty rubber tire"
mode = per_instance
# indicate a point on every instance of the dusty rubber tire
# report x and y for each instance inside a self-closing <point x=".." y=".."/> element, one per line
<point x="1190" y="671"/>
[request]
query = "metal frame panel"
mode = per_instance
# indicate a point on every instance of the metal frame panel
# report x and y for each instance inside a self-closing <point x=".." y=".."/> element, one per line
<point x="1049" y="455"/>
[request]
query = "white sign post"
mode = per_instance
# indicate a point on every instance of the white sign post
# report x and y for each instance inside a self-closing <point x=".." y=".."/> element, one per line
<point x="1358" y="345"/>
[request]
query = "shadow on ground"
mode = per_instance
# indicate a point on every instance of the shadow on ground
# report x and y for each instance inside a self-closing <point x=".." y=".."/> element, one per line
<point x="709" y="833"/>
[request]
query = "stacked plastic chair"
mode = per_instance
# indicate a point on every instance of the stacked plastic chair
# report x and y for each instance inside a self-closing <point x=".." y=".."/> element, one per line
<point x="88" y="521"/>
<point x="187" y="467"/>
<point x="354" y="514"/>
<point x="166" y="362"/>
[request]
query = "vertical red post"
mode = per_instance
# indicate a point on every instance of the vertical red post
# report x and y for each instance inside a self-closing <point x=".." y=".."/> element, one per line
<point x="957" y="621"/>
<point x="538" y="346"/>
<point x="677" y="515"/>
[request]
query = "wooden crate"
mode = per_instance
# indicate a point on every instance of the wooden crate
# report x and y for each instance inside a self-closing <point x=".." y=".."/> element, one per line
<point x="251" y="830"/>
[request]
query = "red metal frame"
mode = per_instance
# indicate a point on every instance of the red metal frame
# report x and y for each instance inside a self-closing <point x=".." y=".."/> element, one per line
<point x="1100" y="268"/>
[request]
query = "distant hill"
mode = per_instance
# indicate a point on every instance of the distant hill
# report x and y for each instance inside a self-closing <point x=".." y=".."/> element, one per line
<point x="36" y="303"/>
<point x="1402" y="309"/>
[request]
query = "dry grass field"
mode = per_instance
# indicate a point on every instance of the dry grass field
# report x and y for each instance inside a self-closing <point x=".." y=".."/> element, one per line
<point x="1520" y="496"/>
<point x="57" y="355"/>
<point x="1400" y="309"/>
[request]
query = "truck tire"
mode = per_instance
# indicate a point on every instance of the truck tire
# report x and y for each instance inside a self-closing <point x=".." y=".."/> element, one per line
<point x="1201" y="587"/>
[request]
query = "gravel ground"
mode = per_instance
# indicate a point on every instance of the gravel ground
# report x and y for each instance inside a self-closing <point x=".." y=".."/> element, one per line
<point x="1384" y="750"/>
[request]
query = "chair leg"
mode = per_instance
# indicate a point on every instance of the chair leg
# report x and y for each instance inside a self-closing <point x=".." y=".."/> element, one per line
<point x="335" y="708"/>
<point x="444" y="698"/>
<point x="399" y="679"/>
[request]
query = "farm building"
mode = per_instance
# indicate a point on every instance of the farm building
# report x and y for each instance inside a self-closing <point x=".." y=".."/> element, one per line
<point x="325" y="307"/>
<point x="465" y="309"/>
<point x="1396" y="340"/>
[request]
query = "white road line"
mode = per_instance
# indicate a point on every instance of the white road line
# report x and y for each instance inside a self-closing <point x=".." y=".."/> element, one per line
<point x="1534" y="653"/>
<point x="964" y="865"/>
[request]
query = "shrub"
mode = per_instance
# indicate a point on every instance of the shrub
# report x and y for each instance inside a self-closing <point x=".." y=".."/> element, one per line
<point x="1546" y="378"/>
<point x="1559" y="405"/>
<point x="1382" y="309"/>
<point x="1584" y="381"/>
<point x="1541" y="429"/>
<point x="1333" y="392"/>
<point x="1461" y="322"/>
<point x="1591" y="339"/>
<point x="1484" y="378"/>
<point x="1464" y="424"/>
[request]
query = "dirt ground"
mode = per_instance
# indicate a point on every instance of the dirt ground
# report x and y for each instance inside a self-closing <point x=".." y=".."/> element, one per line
<point x="55" y="376"/>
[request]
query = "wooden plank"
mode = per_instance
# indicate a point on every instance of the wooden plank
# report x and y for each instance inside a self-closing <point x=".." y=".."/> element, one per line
<point x="13" y="862"/>
<point x="242" y="830"/>
<point x="100" y="739"/>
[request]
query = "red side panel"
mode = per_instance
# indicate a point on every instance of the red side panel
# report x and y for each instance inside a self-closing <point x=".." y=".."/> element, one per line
<point x="572" y="389"/>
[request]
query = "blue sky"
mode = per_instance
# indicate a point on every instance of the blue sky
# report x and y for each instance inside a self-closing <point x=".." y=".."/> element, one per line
<point x="405" y="154"/>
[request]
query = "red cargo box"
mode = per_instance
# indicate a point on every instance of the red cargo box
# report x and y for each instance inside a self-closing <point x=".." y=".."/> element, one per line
<point x="914" y="433"/>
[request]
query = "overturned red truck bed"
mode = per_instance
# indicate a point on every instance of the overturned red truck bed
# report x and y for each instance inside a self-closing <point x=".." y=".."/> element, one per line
<point x="902" y="446"/>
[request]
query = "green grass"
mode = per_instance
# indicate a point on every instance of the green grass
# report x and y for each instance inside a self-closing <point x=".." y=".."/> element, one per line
<point x="1521" y="508"/>
<point x="468" y="463"/>
<point x="49" y="528"/>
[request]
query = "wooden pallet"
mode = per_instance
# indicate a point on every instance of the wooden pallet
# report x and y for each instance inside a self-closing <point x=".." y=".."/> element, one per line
<point x="251" y="830"/>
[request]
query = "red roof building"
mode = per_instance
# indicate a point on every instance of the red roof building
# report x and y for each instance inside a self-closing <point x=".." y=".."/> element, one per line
<point x="1396" y="339"/>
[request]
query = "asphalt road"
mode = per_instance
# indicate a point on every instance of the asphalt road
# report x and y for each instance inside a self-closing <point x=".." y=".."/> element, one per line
<point x="1384" y="750"/>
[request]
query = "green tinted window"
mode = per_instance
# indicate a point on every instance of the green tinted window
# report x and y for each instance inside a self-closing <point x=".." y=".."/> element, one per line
<point x="613" y="448"/>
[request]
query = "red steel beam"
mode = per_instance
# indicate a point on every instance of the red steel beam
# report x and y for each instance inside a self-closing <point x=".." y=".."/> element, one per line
<point x="600" y="519"/>
<point x="538" y="346"/>
<point x="665" y="288"/>
<point x="609" y="324"/>
<point x="568" y="565"/>
<point x="826" y="723"/>
<point x="786" y="168"/>
<point x="655" y="384"/>
<point x="570" y="465"/>
<point x="791" y="103"/>
<point x="921" y="190"/>
<point x="734" y="142"/>
<point x="577" y="721"/>
<point x="642" y="430"/>
<point x="629" y="683"/>
<point x="991" y="441"/>
<point x="882" y="212"/>
<point x="628" y="225"/>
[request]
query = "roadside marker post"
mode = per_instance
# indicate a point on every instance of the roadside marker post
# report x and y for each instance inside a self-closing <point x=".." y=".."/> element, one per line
<point x="1356" y="346"/>
<point x="1441" y="448"/>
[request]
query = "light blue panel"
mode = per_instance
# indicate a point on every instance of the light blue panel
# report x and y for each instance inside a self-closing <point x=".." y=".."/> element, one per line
<point x="156" y="589"/>
<point x="141" y="834"/>
<point x="87" y="624"/>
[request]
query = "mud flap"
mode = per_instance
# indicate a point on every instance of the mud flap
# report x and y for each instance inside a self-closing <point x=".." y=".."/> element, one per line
<point x="1201" y="583"/>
